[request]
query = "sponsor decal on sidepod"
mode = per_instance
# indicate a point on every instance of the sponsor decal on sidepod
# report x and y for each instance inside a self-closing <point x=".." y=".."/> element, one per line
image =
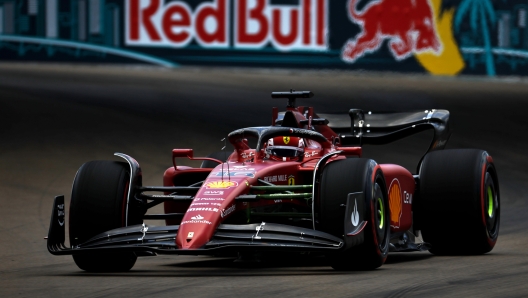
<point x="276" y="178"/>
<point x="395" y="202"/>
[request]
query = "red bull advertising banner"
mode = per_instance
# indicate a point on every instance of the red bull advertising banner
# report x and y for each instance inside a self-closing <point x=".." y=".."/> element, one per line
<point x="440" y="37"/>
<point x="254" y="24"/>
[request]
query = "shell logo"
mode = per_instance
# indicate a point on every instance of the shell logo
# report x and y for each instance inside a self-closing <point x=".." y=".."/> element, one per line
<point x="220" y="184"/>
<point x="395" y="202"/>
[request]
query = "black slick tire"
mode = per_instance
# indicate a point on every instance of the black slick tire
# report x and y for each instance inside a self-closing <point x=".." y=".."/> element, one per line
<point x="458" y="209"/>
<point x="339" y="178"/>
<point x="98" y="204"/>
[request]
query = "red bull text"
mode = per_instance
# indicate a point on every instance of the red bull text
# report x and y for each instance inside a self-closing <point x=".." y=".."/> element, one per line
<point x="256" y="23"/>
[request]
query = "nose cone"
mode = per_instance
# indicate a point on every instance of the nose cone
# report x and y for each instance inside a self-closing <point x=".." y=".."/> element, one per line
<point x="194" y="235"/>
<point x="199" y="223"/>
<point x="210" y="207"/>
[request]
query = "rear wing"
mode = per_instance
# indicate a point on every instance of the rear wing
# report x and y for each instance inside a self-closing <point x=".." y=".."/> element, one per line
<point x="383" y="128"/>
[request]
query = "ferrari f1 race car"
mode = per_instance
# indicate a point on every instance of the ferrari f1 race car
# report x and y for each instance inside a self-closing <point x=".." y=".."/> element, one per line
<point x="304" y="187"/>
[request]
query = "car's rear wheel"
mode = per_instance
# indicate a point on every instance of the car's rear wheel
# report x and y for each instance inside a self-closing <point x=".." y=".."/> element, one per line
<point x="340" y="178"/>
<point x="458" y="210"/>
<point x="98" y="204"/>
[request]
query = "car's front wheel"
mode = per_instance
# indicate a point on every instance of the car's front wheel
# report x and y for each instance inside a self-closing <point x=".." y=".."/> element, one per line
<point x="339" y="179"/>
<point x="98" y="204"/>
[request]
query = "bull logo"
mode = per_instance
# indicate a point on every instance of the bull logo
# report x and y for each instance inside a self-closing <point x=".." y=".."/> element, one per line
<point x="409" y="25"/>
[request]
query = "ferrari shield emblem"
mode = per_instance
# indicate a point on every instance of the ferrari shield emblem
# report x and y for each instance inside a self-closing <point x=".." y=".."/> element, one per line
<point x="286" y="140"/>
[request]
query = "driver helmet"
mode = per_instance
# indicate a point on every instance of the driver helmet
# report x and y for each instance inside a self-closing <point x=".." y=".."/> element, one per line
<point x="285" y="148"/>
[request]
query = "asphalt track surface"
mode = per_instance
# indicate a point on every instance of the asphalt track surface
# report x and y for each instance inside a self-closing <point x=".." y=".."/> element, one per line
<point x="54" y="118"/>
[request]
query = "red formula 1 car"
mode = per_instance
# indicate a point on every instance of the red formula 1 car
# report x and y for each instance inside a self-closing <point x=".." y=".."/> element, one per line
<point x="304" y="187"/>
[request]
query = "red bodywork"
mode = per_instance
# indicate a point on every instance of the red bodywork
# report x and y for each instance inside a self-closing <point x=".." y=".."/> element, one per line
<point x="215" y="200"/>
<point x="409" y="25"/>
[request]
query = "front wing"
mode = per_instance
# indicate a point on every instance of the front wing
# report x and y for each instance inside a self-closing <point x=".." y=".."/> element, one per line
<point x="150" y="240"/>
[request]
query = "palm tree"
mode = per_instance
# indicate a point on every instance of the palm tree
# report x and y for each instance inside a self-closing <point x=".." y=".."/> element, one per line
<point x="483" y="11"/>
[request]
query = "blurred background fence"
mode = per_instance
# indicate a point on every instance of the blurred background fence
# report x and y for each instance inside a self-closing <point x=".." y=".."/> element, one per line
<point x="442" y="37"/>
